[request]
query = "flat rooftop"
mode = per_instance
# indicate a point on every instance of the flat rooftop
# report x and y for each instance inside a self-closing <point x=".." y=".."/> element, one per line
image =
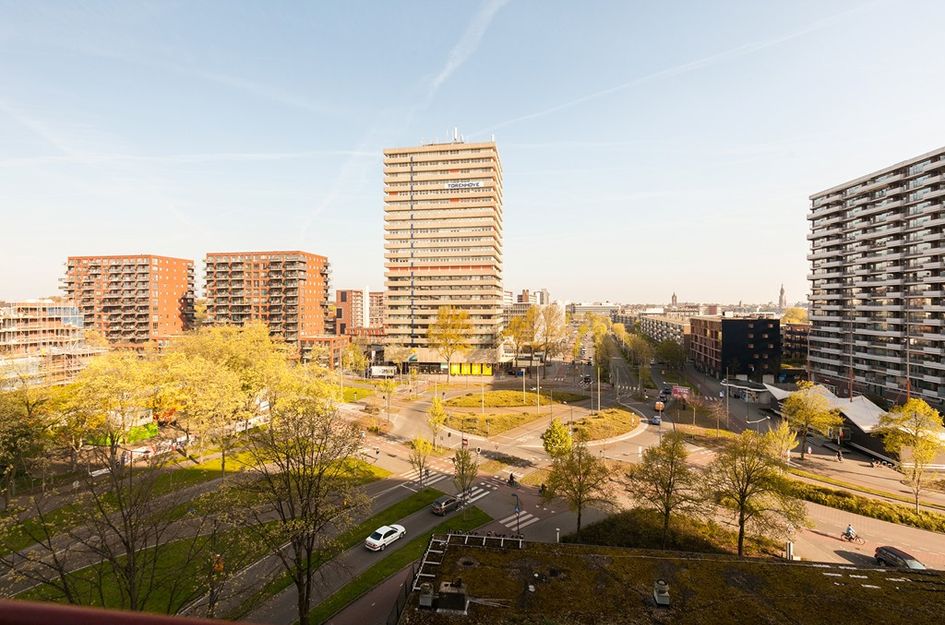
<point x="581" y="584"/>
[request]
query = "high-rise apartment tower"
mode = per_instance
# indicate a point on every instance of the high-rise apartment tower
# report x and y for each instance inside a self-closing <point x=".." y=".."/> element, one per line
<point x="443" y="243"/>
<point x="877" y="303"/>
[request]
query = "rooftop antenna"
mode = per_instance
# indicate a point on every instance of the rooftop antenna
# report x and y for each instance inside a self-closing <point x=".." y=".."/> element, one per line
<point x="493" y="137"/>
<point x="455" y="135"/>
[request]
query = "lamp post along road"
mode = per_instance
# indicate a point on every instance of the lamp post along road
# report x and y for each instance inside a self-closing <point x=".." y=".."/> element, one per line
<point x="524" y="402"/>
<point x="538" y="390"/>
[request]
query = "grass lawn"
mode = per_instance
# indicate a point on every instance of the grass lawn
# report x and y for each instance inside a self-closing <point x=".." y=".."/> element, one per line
<point x="607" y="423"/>
<point x="536" y="477"/>
<point x="356" y="393"/>
<point x="491" y="467"/>
<point x="511" y="399"/>
<point x="173" y="565"/>
<point x="704" y="437"/>
<point x="393" y="563"/>
<point x="19" y="536"/>
<point x="179" y="475"/>
<point x="489" y="424"/>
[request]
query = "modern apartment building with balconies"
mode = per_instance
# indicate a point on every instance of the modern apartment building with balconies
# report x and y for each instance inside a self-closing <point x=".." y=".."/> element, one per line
<point x="287" y="290"/>
<point x="877" y="253"/>
<point x="133" y="300"/>
<point x="443" y="244"/>
<point x="665" y="328"/>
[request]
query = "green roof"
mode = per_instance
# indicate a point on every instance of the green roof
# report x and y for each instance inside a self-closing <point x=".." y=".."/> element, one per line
<point x="580" y="584"/>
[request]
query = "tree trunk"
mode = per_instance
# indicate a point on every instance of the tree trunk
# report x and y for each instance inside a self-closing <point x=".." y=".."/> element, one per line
<point x="665" y="529"/>
<point x="804" y="445"/>
<point x="741" y="533"/>
<point x="223" y="460"/>
<point x="303" y="612"/>
<point x="916" y="484"/>
<point x="578" y="533"/>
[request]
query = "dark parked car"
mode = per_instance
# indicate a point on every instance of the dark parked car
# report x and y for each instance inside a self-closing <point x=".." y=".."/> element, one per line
<point x="444" y="505"/>
<point x="890" y="556"/>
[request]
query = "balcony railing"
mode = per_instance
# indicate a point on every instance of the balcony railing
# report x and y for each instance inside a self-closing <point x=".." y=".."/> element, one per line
<point x="32" y="613"/>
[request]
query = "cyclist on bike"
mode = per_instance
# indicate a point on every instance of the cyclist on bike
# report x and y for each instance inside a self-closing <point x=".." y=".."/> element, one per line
<point x="850" y="533"/>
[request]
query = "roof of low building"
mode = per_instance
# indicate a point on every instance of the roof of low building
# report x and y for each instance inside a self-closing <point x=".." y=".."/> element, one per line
<point x="581" y="584"/>
<point x="860" y="411"/>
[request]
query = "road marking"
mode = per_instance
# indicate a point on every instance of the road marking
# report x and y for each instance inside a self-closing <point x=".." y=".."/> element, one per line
<point x="519" y="520"/>
<point x="476" y="494"/>
<point x="414" y="476"/>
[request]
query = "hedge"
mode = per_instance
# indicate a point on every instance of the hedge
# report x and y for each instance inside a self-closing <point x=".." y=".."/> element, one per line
<point x="882" y="510"/>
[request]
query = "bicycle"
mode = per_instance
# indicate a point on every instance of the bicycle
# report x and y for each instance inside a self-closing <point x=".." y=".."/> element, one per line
<point x="855" y="539"/>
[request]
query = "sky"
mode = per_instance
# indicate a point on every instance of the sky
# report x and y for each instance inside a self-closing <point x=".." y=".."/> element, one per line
<point x="647" y="147"/>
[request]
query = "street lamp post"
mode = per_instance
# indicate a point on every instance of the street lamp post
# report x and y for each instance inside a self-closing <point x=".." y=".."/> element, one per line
<point x="518" y="514"/>
<point x="524" y="403"/>
<point x="598" y="388"/>
<point x="538" y="390"/>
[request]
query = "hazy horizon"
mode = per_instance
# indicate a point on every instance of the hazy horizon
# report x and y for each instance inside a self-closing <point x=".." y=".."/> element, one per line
<point x="646" y="149"/>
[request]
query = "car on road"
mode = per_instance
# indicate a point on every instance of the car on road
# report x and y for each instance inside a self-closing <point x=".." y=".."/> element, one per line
<point x="890" y="556"/>
<point x="384" y="536"/>
<point x="445" y="504"/>
<point x="656" y="420"/>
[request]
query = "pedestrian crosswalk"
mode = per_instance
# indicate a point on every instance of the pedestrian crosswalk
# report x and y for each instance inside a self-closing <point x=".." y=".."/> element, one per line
<point x="519" y="520"/>
<point x="431" y="477"/>
<point x="479" y="491"/>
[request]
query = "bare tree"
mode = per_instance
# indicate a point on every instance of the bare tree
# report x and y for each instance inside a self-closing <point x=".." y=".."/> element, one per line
<point x="580" y="479"/>
<point x="420" y="450"/>
<point x="664" y="481"/>
<point x="301" y="488"/>
<point x="465" y="471"/>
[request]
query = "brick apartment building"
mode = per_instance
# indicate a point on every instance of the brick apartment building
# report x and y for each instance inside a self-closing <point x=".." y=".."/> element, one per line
<point x="42" y="342"/>
<point x="133" y="299"/>
<point x="287" y="290"/>
<point x="349" y="311"/>
<point x="724" y="346"/>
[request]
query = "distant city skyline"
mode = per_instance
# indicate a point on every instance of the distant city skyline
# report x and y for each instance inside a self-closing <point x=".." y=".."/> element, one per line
<point x="646" y="150"/>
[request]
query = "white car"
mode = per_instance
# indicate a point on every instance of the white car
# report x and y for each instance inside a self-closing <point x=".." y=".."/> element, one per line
<point x="384" y="536"/>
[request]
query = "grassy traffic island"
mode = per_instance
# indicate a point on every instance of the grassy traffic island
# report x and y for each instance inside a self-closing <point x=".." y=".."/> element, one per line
<point x="472" y="421"/>
<point x="512" y="399"/>
<point x="605" y="423"/>
<point x="490" y="424"/>
<point x="603" y="585"/>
